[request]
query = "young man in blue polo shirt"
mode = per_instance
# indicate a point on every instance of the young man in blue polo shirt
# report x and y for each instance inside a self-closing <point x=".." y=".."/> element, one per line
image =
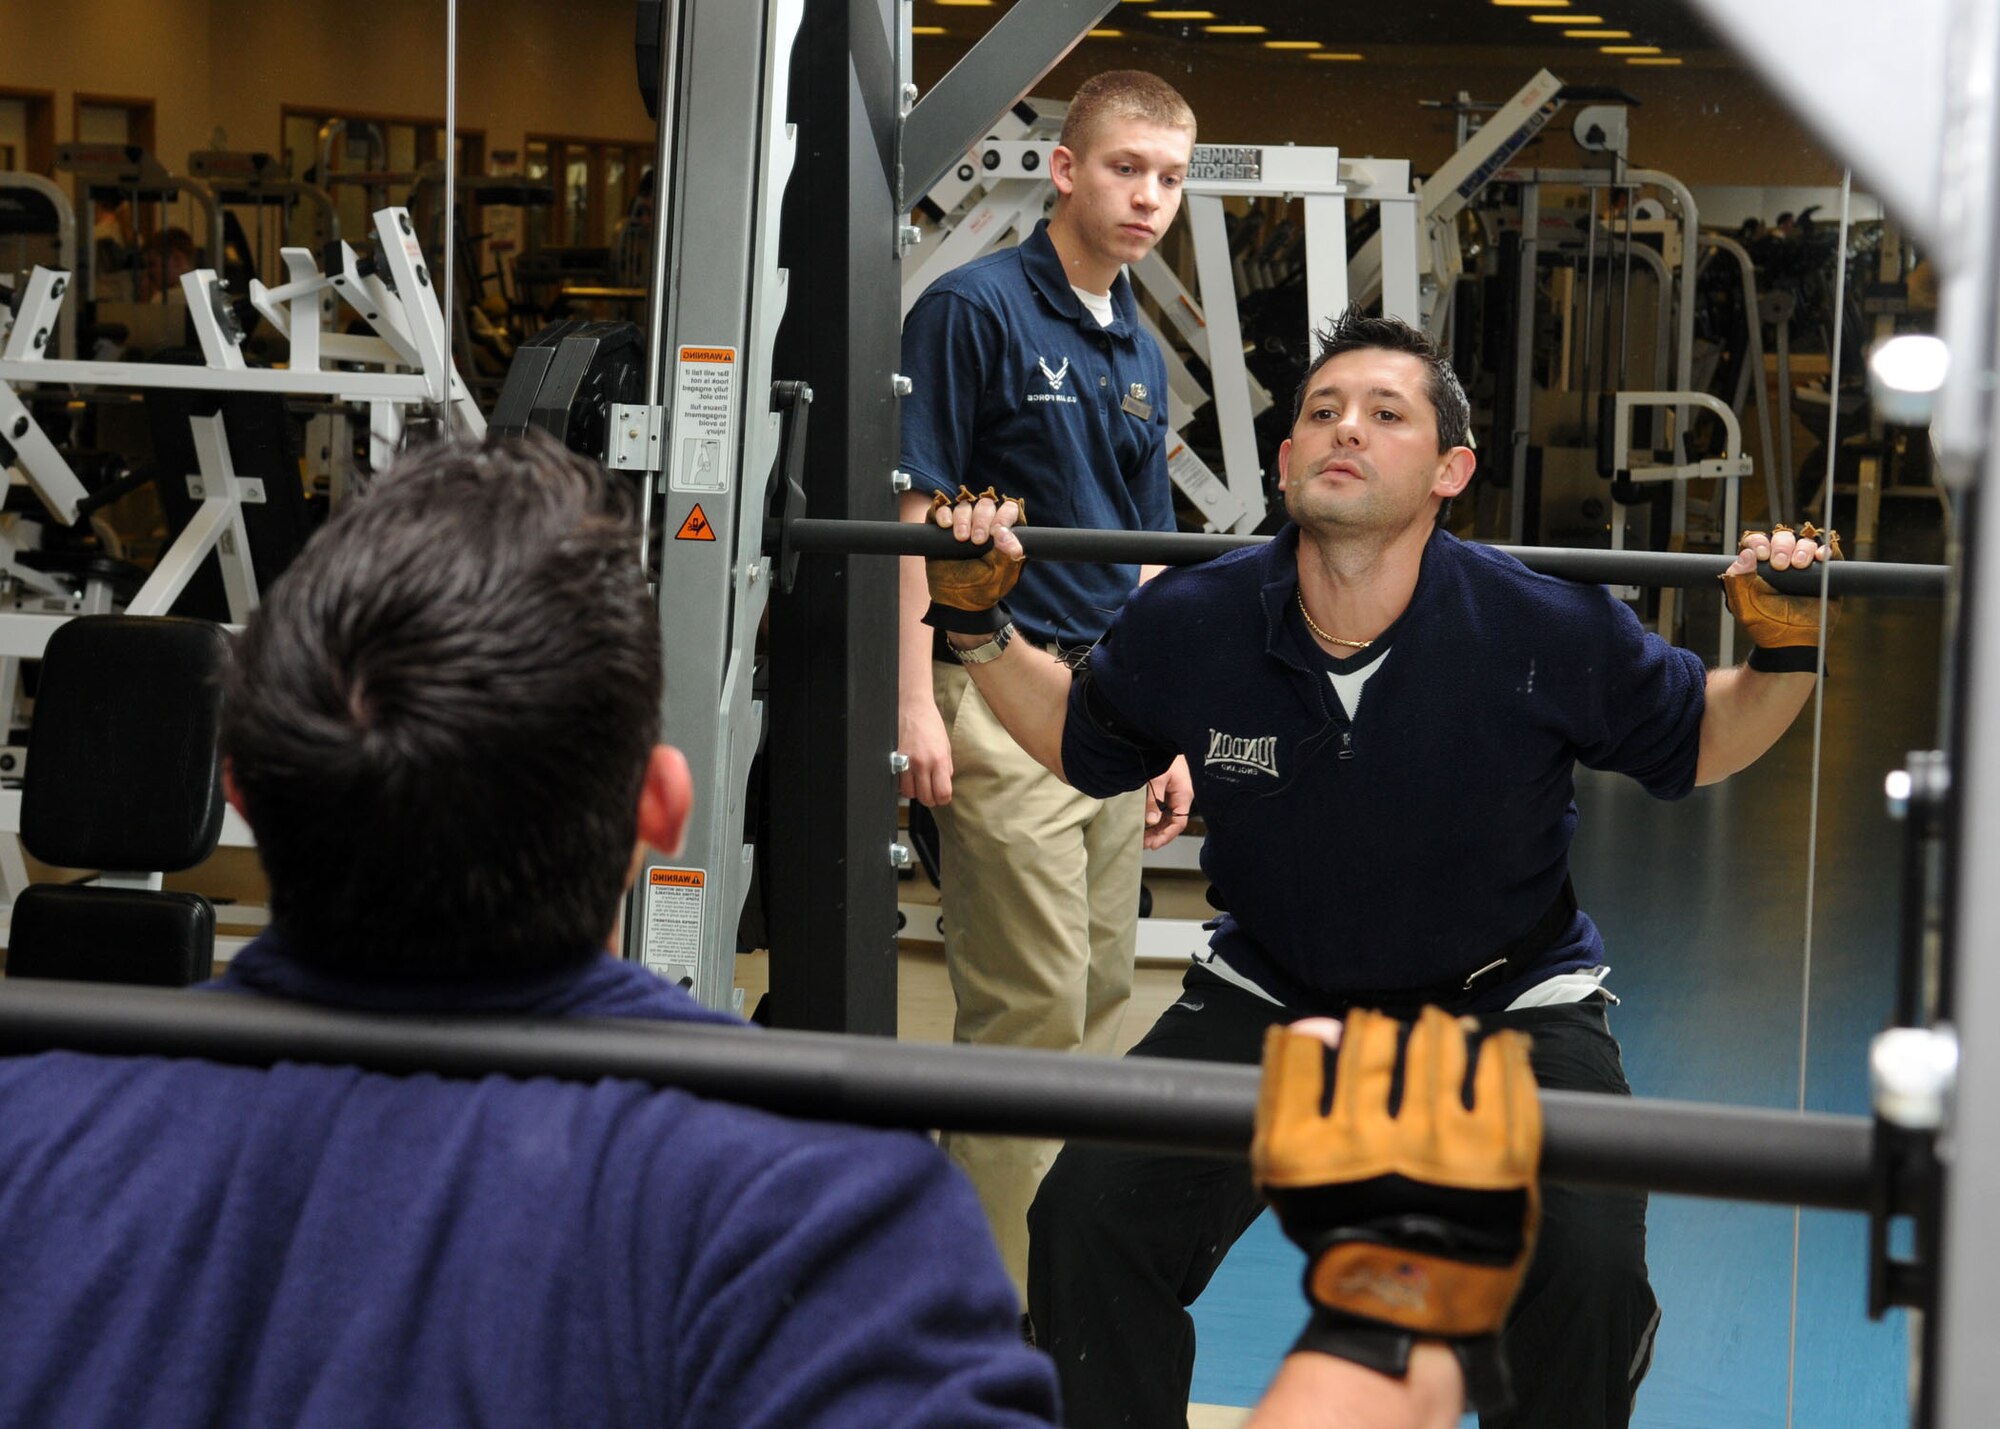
<point x="1383" y="724"/>
<point x="1032" y="374"/>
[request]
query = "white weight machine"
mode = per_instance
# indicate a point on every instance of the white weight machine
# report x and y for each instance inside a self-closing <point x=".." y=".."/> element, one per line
<point x="400" y="364"/>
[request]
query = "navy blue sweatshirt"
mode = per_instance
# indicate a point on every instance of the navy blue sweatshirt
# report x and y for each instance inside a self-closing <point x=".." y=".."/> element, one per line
<point x="1401" y="849"/>
<point x="183" y="1243"/>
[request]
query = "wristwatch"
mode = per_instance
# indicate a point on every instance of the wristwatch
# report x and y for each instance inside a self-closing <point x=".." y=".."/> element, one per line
<point x="986" y="650"/>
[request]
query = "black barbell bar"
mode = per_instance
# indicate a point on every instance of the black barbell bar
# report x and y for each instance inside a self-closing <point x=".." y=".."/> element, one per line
<point x="1736" y="1153"/>
<point x="1887" y="579"/>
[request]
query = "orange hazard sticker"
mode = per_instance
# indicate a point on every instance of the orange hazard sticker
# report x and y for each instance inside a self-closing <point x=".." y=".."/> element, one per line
<point x="676" y="878"/>
<point x="708" y="354"/>
<point x="696" y="527"/>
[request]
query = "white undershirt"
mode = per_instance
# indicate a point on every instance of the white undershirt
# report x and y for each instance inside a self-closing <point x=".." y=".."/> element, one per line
<point x="1098" y="305"/>
<point x="1347" y="686"/>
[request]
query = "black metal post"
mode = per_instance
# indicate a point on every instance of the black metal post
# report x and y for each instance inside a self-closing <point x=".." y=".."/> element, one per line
<point x="830" y="799"/>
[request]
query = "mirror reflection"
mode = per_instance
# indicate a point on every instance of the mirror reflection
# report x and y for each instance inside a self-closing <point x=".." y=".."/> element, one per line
<point x="209" y="174"/>
<point x="1654" y="223"/>
<point x="555" y="213"/>
<point x="1671" y="228"/>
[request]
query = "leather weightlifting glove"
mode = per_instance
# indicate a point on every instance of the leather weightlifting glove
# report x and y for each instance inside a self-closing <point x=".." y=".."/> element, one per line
<point x="1409" y="1182"/>
<point x="966" y="594"/>
<point x="1783" y="628"/>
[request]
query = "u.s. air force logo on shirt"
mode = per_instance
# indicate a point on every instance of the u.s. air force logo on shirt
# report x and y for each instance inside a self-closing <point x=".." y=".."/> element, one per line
<point x="1055" y="377"/>
<point x="1242" y="753"/>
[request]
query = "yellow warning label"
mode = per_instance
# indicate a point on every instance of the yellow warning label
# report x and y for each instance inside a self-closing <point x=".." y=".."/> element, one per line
<point x="695" y="528"/>
<point x="676" y="905"/>
<point x="708" y="354"/>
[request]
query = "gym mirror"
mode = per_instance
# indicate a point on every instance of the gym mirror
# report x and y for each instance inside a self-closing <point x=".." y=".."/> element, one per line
<point x="1752" y="927"/>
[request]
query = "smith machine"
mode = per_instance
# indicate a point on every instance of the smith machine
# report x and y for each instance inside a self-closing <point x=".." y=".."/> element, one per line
<point x="731" y="463"/>
<point x="790" y="141"/>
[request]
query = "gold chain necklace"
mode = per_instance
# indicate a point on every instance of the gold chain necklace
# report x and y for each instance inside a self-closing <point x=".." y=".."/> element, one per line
<point x="1330" y="639"/>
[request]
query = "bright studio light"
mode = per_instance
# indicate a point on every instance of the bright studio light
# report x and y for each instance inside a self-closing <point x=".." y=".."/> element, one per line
<point x="1904" y="376"/>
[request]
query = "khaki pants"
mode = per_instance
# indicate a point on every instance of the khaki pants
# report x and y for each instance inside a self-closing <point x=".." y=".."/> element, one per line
<point x="1040" y="896"/>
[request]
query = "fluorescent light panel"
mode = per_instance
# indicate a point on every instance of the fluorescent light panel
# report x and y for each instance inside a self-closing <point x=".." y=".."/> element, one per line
<point x="1180" y="14"/>
<point x="1630" y="49"/>
<point x="1103" y="34"/>
<point x="1565" y="19"/>
<point x="1235" y="29"/>
<point x="1291" y="44"/>
<point x="1334" y="55"/>
<point x="1656" y="60"/>
<point x="1597" y="34"/>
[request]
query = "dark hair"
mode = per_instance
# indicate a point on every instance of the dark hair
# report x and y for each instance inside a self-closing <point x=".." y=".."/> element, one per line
<point x="1355" y="329"/>
<point x="1122" y="94"/>
<point x="440" y="718"/>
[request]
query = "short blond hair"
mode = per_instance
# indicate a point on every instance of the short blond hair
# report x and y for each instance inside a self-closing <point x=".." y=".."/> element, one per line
<point x="1123" y="94"/>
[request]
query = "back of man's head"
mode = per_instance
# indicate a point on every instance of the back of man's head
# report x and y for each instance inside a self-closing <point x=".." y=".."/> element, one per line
<point x="439" y="720"/>
<point x="1122" y="94"/>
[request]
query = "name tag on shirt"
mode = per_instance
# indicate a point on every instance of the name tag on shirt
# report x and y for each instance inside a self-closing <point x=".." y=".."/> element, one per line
<point x="1138" y="407"/>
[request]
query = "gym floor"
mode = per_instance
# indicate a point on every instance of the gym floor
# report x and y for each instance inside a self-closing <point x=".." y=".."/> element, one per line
<point x="1703" y="905"/>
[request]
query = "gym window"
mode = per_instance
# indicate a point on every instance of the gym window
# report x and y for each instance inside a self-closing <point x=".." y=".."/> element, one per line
<point x="595" y="181"/>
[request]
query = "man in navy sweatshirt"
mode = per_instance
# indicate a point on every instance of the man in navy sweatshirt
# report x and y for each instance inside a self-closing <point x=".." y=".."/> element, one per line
<point x="1404" y="849"/>
<point x="441" y="727"/>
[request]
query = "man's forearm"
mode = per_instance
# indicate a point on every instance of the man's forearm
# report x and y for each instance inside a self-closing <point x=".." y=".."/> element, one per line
<point x="913" y="637"/>
<point x="1745" y="714"/>
<point x="1027" y="688"/>
<point x="1314" y="1391"/>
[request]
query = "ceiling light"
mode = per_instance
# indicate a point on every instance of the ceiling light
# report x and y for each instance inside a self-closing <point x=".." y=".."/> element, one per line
<point x="1658" y="60"/>
<point x="1334" y="55"/>
<point x="970" y="4"/>
<point x="1565" y="19"/>
<point x="1236" y="29"/>
<point x="1630" y="49"/>
<point x="1180" y="14"/>
<point x="1597" y="34"/>
<point x="927" y="29"/>
<point x="1533" y="4"/>
<point x="1291" y="44"/>
<point x="1103" y="34"/>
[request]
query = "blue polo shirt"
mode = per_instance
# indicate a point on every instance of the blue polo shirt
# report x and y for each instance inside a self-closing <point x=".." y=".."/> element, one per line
<point x="1401" y="849"/>
<point x="1017" y="387"/>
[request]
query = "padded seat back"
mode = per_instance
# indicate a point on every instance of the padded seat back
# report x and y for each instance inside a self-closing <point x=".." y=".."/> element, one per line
<point x="123" y="776"/>
<point x="123" y="771"/>
<point x="126" y="935"/>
